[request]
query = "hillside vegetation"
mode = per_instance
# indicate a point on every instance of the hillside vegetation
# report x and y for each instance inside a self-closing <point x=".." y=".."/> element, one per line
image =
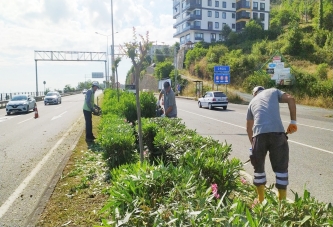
<point x="300" y="31"/>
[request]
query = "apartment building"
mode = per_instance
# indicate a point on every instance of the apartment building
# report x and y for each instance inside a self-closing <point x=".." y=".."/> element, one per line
<point x="203" y="20"/>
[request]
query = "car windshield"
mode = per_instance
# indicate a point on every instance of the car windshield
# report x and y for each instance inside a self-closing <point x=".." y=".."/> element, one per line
<point x="51" y="94"/>
<point x="19" y="98"/>
<point x="219" y="94"/>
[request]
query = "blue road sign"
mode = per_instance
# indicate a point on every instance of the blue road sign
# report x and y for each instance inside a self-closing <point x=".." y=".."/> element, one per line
<point x="271" y="65"/>
<point x="222" y="78"/>
<point x="222" y="68"/>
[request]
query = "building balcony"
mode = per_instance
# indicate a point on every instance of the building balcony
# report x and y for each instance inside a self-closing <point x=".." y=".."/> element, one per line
<point x="190" y="17"/>
<point x="243" y="4"/>
<point x="198" y="38"/>
<point x="176" y="8"/>
<point x="242" y="15"/>
<point x="191" y="4"/>
<point x="191" y="27"/>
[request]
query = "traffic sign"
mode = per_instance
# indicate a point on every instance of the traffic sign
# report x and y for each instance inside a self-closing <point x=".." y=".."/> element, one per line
<point x="271" y="65"/>
<point x="222" y="78"/>
<point x="222" y="68"/>
<point x="270" y="71"/>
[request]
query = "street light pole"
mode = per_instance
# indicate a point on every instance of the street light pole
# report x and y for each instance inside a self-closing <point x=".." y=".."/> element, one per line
<point x="112" y="47"/>
<point x="107" y="56"/>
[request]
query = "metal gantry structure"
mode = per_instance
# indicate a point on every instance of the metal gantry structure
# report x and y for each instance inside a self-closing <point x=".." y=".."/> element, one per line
<point x="68" y="56"/>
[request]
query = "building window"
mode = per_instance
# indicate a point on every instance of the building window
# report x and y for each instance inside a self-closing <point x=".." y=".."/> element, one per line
<point x="255" y="15"/>
<point x="224" y="15"/>
<point x="216" y="3"/>
<point x="187" y="37"/>
<point x="198" y="36"/>
<point x="209" y="13"/>
<point x="197" y="12"/>
<point x="209" y="2"/>
<point x="217" y="14"/>
<point x="182" y="40"/>
<point x="213" y="36"/>
<point x="247" y="4"/>
<point x="262" y="16"/>
<point x="220" y="37"/>
<point x="197" y="24"/>
<point x="217" y="25"/>
<point x="233" y="26"/>
<point x="233" y="15"/>
<point x="233" y="5"/>
<point x="210" y="25"/>
<point x="224" y="4"/>
<point x="255" y="5"/>
<point x="262" y="6"/>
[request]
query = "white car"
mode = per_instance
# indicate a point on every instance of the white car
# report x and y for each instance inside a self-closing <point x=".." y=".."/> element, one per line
<point x="213" y="99"/>
<point x="20" y="103"/>
<point x="52" y="97"/>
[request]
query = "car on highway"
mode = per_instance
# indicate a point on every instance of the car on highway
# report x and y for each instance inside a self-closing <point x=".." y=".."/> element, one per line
<point x="52" y="97"/>
<point x="213" y="99"/>
<point x="20" y="104"/>
<point x="84" y="91"/>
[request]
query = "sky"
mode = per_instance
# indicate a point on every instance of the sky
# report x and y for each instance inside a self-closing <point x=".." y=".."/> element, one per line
<point x="71" y="25"/>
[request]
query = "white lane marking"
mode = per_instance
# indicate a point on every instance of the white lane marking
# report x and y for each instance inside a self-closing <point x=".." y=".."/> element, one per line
<point x="302" y="144"/>
<point x="59" y="116"/>
<point x="8" y="203"/>
<point x="2" y="119"/>
<point x="25" y="121"/>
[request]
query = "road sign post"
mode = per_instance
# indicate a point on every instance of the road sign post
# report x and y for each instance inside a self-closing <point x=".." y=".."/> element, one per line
<point x="222" y="75"/>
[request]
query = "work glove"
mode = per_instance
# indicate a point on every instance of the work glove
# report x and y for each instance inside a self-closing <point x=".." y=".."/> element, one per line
<point x="292" y="127"/>
<point x="163" y="115"/>
<point x="158" y="103"/>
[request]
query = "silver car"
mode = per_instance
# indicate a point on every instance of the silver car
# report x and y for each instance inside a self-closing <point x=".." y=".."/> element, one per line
<point x="52" y="97"/>
<point x="20" y="104"/>
<point x="213" y="99"/>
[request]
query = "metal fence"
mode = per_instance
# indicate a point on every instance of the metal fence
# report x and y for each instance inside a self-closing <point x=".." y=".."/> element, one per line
<point x="7" y="96"/>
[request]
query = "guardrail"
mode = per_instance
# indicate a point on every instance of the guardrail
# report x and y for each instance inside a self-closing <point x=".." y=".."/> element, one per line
<point x="37" y="98"/>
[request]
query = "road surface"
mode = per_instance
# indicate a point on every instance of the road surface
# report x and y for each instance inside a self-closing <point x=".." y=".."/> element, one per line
<point x="32" y="151"/>
<point x="311" y="147"/>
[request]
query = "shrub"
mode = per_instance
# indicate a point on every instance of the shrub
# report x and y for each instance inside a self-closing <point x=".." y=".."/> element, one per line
<point x="322" y="71"/>
<point x="257" y="78"/>
<point x="117" y="139"/>
<point x="148" y="104"/>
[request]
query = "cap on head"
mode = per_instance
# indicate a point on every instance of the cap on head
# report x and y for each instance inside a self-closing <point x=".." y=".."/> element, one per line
<point x="95" y="83"/>
<point x="257" y="89"/>
<point x="166" y="84"/>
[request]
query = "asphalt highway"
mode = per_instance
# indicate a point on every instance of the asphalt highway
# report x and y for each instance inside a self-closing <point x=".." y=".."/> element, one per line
<point x="311" y="147"/>
<point x="31" y="153"/>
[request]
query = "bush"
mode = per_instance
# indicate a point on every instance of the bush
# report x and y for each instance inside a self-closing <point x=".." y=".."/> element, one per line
<point x="117" y="139"/>
<point x="322" y="71"/>
<point x="256" y="79"/>
<point x="148" y="104"/>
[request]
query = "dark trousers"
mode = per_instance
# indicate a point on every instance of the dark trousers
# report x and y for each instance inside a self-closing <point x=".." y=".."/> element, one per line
<point x="88" y="118"/>
<point x="277" y="145"/>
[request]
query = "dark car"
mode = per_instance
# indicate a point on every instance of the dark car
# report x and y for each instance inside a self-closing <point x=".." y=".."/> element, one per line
<point x="52" y="97"/>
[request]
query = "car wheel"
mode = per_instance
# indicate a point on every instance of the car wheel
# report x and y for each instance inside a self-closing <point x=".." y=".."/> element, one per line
<point x="199" y="104"/>
<point x="8" y="113"/>
<point x="210" y="106"/>
<point x="224" y="107"/>
<point x="27" y="109"/>
<point x="45" y="103"/>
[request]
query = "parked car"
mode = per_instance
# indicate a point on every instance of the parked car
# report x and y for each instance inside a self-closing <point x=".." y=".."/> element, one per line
<point x="52" y="97"/>
<point x="213" y="99"/>
<point x="20" y="103"/>
<point x="84" y="91"/>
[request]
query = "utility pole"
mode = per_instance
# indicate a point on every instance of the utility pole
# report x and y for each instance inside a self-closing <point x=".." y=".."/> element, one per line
<point x="112" y="47"/>
<point x="176" y="68"/>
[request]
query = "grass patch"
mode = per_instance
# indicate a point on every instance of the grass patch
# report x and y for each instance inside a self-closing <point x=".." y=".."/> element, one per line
<point x="82" y="189"/>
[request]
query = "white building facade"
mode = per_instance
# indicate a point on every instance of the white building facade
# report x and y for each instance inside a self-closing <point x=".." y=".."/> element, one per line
<point x="203" y="20"/>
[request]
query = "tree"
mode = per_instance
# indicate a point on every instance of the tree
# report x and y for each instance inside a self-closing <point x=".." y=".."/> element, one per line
<point x="137" y="52"/>
<point x="115" y="68"/>
<point x="321" y="13"/>
<point x="163" y="70"/>
<point x="225" y="32"/>
<point x="159" y="56"/>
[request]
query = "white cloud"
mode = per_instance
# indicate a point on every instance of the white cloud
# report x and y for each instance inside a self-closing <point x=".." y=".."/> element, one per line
<point x="32" y="25"/>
